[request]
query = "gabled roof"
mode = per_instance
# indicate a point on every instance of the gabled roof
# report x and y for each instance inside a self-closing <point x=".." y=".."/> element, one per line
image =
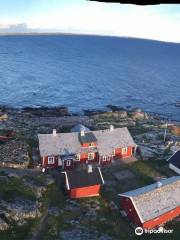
<point x="175" y="159"/>
<point x="81" y="178"/>
<point x="68" y="143"/>
<point x="154" y="200"/>
<point x="88" y="137"/>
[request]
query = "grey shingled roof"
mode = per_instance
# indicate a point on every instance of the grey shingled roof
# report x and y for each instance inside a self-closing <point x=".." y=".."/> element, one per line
<point x="68" y="143"/>
<point x="81" y="178"/>
<point x="152" y="201"/>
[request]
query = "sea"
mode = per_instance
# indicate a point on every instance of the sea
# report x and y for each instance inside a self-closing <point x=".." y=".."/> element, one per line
<point x="90" y="72"/>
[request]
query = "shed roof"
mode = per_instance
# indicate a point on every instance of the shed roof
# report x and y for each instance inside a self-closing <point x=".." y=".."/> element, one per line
<point x="88" y="137"/>
<point x="68" y="143"/>
<point x="81" y="178"/>
<point x="152" y="201"/>
<point x="175" y="159"/>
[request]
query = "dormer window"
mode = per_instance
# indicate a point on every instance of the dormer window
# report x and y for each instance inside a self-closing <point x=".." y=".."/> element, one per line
<point x="91" y="144"/>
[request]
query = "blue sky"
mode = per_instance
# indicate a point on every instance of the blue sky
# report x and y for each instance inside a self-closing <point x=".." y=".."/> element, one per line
<point x="161" y="22"/>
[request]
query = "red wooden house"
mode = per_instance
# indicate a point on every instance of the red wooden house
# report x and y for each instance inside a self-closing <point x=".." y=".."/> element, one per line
<point x="153" y="205"/>
<point x="69" y="149"/>
<point x="83" y="183"/>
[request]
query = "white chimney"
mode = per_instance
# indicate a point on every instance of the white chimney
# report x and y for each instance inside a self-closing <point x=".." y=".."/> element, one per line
<point x="90" y="168"/>
<point x="159" y="184"/>
<point x="111" y="128"/>
<point x="54" y="132"/>
<point x="82" y="133"/>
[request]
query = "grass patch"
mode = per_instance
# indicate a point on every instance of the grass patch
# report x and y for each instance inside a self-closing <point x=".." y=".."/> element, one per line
<point x="13" y="189"/>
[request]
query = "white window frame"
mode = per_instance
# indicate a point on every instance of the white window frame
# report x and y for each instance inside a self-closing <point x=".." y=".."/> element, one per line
<point x="68" y="163"/>
<point x="50" y="160"/>
<point x="114" y="153"/>
<point x="78" y="157"/>
<point x="104" y="158"/>
<point x="124" y="150"/>
<point x="90" y="158"/>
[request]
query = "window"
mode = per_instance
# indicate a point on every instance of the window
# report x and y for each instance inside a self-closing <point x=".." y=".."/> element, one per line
<point x="68" y="163"/>
<point x="90" y="156"/>
<point x="114" y="153"/>
<point x="91" y="144"/>
<point x="78" y="157"/>
<point x="50" y="160"/>
<point x="104" y="158"/>
<point x="124" y="150"/>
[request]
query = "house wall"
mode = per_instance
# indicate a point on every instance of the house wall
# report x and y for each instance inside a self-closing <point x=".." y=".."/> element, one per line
<point x="162" y="219"/>
<point x="118" y="152"/>
<point x="84" y="191"/>
<point x="44" y="162"/>
<point x="127" y="205"/>
<point x="175" y="169"/>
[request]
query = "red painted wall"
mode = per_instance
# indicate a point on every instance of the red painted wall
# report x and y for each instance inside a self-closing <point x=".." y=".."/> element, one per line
<point x="128" y="207"/>
<point x="84" y="191"/>
<point x="44" y="162"/>
<point x="118" y="152"/>
<point x="87" y="144"/>
<point x="162" y="219"/>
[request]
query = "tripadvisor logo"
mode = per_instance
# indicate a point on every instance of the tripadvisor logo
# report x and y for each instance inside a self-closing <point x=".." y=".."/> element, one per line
<point x="140" y="230"/>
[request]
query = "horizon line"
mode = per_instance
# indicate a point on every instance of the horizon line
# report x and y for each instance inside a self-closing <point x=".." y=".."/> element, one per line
<point x="80" y="34"/>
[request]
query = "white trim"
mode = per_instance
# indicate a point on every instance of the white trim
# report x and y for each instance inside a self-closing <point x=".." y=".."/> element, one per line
<point x="101" y="175"/>
<point x="50" y="159"/>
<point x="43" y="160"/>
<point x="172" y="155"/>
<point x="67" y="182"/>
<point x="122" y="195"/>
<point x="174" y="168"/>
<point x="114" y="153"/>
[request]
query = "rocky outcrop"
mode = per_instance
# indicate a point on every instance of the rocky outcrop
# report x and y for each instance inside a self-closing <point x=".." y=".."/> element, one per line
<point x="138" y="114"/>
<point x="3" y="225"/>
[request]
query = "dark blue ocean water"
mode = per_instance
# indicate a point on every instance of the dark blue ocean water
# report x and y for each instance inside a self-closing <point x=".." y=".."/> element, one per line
<point x="90" y="72"/>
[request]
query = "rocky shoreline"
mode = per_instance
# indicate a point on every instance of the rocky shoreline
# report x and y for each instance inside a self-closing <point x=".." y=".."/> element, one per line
<point x="25" y="188"/>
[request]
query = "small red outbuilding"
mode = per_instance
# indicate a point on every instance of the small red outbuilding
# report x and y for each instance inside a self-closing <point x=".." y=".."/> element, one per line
<point x="83" y="183"/>
<point x="153" y="205"/>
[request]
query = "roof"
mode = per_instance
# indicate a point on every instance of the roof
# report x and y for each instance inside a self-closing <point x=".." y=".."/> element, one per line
<point x="68" y="143"/>
<point x="88" y="137"/>
<point x="81" y="178"/>
<point x="79" y="128"/>
<point x="175" y="159"/>
<point x="152" y="201"/>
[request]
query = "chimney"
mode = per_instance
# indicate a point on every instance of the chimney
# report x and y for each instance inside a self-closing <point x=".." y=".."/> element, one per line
<point x="90" y="170"/>
<point x="54" y="132"/>
<point x="159" y="184"/>
<point x="111" y="128"/>
<point x="82" y="133"/>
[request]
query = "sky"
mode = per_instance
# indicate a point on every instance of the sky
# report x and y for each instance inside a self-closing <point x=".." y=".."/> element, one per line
<point x="159" y="22"/>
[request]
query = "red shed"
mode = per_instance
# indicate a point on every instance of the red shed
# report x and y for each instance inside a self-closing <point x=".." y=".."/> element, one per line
<point x="84" y="183"/>
<point x="153" y="205"/>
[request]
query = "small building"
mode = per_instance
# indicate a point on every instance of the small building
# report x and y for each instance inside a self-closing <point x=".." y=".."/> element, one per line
<point x="83" y="183"/>
<point x="153" y="205"/>
<point x="67" y="150"/>
<point x="174" y="162"/>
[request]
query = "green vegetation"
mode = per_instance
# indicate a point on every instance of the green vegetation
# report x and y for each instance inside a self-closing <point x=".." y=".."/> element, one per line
<point x="13" y="189"/>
